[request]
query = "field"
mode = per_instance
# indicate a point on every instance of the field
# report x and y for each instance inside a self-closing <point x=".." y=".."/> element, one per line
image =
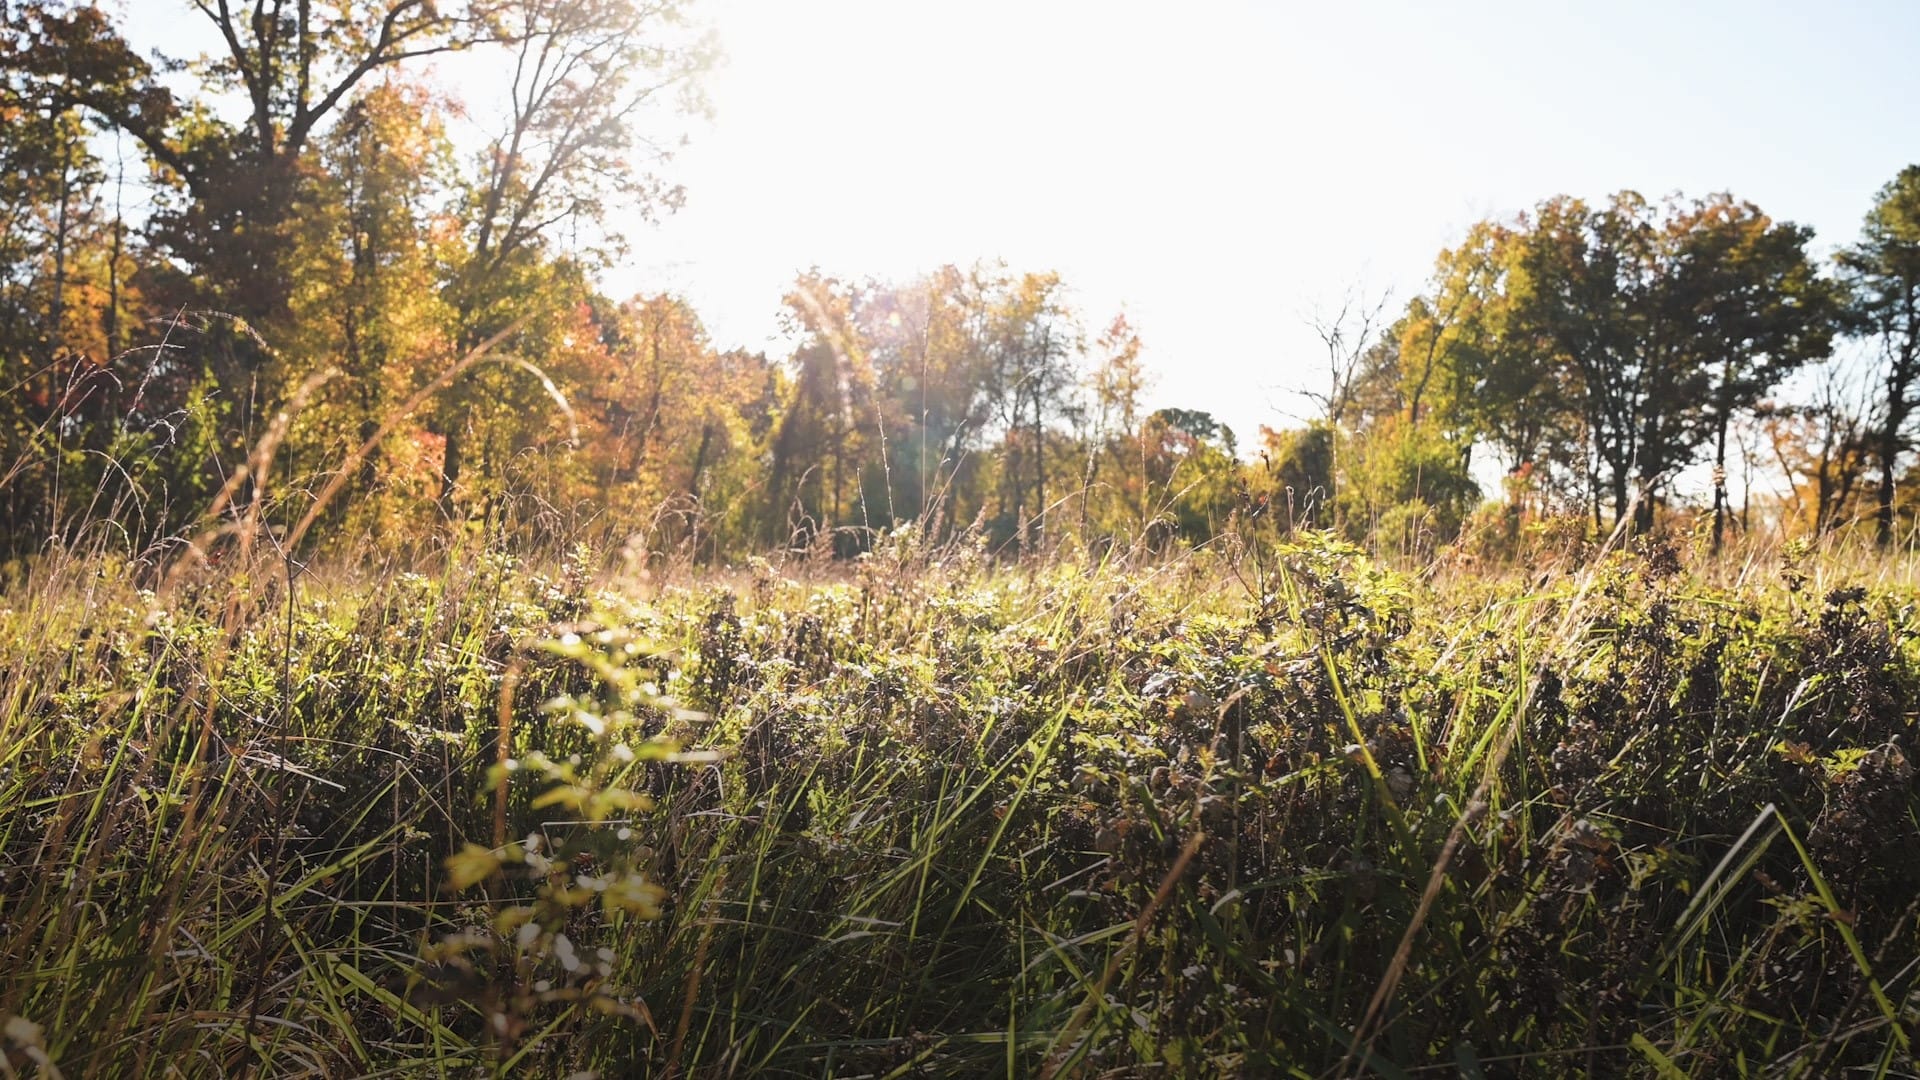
<point x="1255" y="811"/>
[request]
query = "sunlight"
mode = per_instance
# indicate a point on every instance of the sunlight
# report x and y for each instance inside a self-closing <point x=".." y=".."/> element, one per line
<point x="973" y="538"/>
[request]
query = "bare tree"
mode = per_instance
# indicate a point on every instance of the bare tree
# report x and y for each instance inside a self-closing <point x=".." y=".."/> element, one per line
<point x="1826" y="444"/>
<point x="1350" y="337"/>
<point x="1347" y="336"/>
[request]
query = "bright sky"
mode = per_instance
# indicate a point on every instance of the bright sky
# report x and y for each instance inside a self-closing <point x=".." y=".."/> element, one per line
<point x="1223" y="170"/>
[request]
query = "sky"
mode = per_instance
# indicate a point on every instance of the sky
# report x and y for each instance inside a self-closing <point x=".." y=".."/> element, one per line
<point x="1225" y="171"/>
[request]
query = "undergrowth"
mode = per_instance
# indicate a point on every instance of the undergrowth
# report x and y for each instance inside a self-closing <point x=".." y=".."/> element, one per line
<point x="1253" y="813"/>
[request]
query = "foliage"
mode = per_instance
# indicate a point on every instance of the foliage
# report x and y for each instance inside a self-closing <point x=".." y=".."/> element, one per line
<point x="1885" y="270"/>
<point x="1260" y="811"/>
<point x="1408" y="485"/>
<point x="1605" y="346"/>
<point x="1296" y="478"/>
<point x="1040" y="734"/>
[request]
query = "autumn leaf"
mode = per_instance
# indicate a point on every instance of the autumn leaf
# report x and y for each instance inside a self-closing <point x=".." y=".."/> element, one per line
<point x="471" y="865"/>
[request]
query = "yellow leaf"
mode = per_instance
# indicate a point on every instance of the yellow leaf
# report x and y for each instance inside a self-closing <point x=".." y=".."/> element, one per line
<point x="471" y="865"/>
<point x="1797" y="752"/>
<point x="511" y="919"/>
<point x="568" y="795"/>
<point x="623" y="799"/>
<point x="633" y="893"/>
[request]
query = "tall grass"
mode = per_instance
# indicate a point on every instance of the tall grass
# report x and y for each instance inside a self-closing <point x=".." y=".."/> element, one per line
<point x="1257" y="811"/>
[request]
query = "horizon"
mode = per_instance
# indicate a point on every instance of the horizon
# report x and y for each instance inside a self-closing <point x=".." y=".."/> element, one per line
<point x="1323" y="176"/>
<point x="1221" y="288"/>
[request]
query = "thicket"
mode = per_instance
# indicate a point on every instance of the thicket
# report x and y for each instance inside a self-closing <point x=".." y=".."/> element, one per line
<point x="1262" y="810"/>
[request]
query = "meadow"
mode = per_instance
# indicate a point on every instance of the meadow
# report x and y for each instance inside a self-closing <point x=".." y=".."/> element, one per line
<point x="1259" y="810"/>
<point x="422" y="656"/>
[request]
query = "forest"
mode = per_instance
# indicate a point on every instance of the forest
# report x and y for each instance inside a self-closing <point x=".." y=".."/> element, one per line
<point x="419" y="662"/>
<point x="413" y="327"/>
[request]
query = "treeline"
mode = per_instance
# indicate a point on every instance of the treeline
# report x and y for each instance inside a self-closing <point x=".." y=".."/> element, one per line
<point x="333" y="320"/>
<point x="1601" y="350"/>
<point x="270" y="292"/>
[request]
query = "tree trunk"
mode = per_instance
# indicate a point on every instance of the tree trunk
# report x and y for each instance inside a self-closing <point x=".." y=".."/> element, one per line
<point x="1039" y="471"/>
<point x="1720" y="484"/>
<point x="1883" y="513"/>
<point x="700" y="459"/>
<point x="450" y="464"/>
<point x="1899" y="405"/>
<point x="113" y="261"/>
<point x="57" y="313"/>
<point x="654" y="402"/>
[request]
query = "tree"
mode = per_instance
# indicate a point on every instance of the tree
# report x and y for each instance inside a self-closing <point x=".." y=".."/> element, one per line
<point x="1823" y="445"/>
<point x="1883" y="270"/>
<point x="63" y="301"/>
<point x="1118" y="383"/>
<point x="1191" y="458"/>
<point x="1748" y="305"/>
<point x="1032" y="340"/>
<point x="735" y="395"/>
<point x="926" y="341"/>
<point x="292" y="63"/>
<point x="369" y="303"/>
<point x="818" y="455"/>
<point x="1582" y="295"/>
<point x="1460" y="361"/>
<point x="1405" y="485"/>
<point x="1650" y="328"/>
<point x="1297" y="473"/>
<point x="1348" y="336"/>
<point x="583" y="74"/>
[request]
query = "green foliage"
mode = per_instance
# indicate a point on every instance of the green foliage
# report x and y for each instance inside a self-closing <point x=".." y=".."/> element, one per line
<point x="1607" y="346"/>
<point x="1296" y="479"/>
<point x="1188" y="473"/>
<point x="1884" y="269"/>
<point x="1408" y="486"/>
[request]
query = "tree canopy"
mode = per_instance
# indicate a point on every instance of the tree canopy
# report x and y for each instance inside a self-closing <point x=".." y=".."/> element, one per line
<point x="330" y="310"/>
